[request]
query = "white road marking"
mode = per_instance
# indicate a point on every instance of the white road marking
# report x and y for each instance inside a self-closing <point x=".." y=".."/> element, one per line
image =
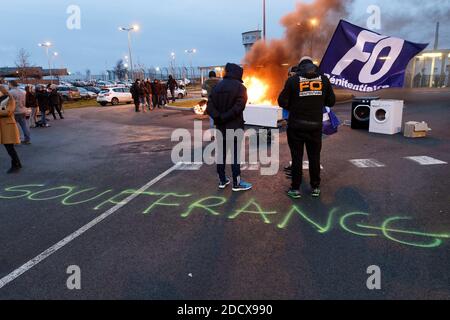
<point x="367" y="163"/>
<point x="426" y="161"/>
<point x="190" y="166"/>
<point x="44" y="255"/>
<point x="250" y="166"/>
<point x="306" y="165"/>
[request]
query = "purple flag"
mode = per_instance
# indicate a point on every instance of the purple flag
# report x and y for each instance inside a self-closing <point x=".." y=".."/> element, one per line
<point x="362" y="60"/>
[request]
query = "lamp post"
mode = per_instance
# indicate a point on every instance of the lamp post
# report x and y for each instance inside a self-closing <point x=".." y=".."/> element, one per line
<point x="47" y="45"/>
<point x="158" y="70"/>
<point x="129" y="30"/>
<point x="264" y="19"/>
<point x="172" y="63"/>
<point x="126" y="65"/>
<point x="55" y="55"/>
<point x="191" y="53"/>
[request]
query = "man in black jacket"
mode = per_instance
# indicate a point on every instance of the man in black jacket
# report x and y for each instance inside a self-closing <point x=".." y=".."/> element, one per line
<point x="304" y="96"/>
<point x="226" y="106"/>
<point x="137" y="93"/>
<point x="172" y="85"/>
<point x="55" y="101"/>
<point x="43" y="100"/>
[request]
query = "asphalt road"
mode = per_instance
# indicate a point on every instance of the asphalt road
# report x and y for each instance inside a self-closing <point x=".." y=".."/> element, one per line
<point x="181" y="238"/>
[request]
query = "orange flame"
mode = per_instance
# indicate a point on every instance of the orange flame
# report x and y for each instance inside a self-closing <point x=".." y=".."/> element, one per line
<point x="257" y="90"/>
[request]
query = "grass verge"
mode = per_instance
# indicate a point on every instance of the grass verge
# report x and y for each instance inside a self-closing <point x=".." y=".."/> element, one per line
<point x="80" y="104"/>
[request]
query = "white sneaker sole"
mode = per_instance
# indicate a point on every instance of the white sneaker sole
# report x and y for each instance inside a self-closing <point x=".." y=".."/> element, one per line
<point x="239" y="190"/>
<point x="225" y="185"/>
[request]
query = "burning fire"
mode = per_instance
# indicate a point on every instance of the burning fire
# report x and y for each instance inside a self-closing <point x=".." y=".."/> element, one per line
<point x="257" y="90"/>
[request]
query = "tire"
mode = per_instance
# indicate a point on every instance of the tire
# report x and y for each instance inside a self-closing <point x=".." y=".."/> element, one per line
<point x="114" y="101"/>
<point x="103" y="104"/>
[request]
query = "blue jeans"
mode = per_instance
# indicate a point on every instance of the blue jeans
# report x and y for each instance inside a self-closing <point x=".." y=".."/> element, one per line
<point x="21" y="120"/>
<point x="43" y="118"/>
<point x="235" y="165"/>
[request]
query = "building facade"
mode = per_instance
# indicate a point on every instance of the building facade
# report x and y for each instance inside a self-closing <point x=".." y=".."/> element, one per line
<point x="250" y="38"/>
<point x="430" y="69"/>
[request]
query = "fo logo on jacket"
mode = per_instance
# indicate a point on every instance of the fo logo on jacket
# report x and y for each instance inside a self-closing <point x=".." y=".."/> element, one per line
<point x="310" y="87"/>
<point x="363" y="60"/>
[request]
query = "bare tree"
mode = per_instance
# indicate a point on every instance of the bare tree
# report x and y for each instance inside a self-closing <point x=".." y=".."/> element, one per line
<point x="22" y="64"/>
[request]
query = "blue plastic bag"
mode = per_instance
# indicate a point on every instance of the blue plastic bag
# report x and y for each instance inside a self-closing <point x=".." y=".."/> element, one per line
<point x="331" y="122"/>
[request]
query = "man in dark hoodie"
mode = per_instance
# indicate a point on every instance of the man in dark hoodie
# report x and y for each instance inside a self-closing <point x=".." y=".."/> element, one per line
<point x="304" y="96"/>
<point x="226" y="106"/>
<point x="172" y="85"/>
<point x="43" y="100"/>
<point x="55" y="101"/>
<point x="137" y="92"/>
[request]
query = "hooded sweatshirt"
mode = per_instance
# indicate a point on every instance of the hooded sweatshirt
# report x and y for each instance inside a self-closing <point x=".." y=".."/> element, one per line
<point x="228" y="99"/>
<point x="305" y="95"/>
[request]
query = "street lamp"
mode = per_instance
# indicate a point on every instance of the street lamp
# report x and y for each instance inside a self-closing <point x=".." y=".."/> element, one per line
<point x="191" y="53"/>
<point x="172" y="62"/>
<point x="47" y="45"/>
<point x="129" y="30"/>
<point x="54" y="57"/>
<point x="158" y="70"/>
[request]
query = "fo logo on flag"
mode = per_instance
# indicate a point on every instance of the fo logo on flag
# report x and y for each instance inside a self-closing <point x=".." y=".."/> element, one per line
<point x="363" y="60"/>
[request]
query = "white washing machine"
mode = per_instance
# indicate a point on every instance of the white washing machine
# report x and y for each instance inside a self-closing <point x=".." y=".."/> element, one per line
<point x="386" y="116"/>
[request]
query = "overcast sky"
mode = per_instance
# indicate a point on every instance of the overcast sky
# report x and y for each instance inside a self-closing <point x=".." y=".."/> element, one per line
<point x="213" y="27"/>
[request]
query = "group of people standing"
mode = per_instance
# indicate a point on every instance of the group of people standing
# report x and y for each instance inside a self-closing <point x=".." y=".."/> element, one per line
<point x="149" y="95"/>
<point x="304" y="96"/>
<point x="44" y="99"/>
<point x="15" y="106"/>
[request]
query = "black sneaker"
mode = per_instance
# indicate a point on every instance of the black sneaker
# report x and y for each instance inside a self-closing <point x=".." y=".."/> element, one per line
<point x="294" y="194"/>
<point x="316" y="193"/>
<point x="224" y="184"/>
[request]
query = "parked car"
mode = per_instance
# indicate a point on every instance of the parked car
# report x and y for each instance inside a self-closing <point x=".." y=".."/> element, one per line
<point x="86" y="94"/>
<point x="93" y="89"/>
<point x="180" y="93"/>
<point x="121" y="84"/>
<point x="69" y="93"/>
<point x="105" y="84"/>
<point x="114" y="96"/>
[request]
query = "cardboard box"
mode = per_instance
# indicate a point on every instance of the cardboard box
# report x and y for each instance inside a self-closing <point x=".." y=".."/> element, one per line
<point x="415" y="129"/>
